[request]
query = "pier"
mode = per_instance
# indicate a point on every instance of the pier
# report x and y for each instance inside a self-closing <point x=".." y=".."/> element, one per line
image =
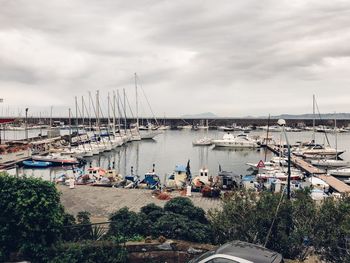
<point x="298" y="162"/>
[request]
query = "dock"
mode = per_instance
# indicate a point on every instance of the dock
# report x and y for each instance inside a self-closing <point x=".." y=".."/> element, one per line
<point x="300" y="163"/>
<point x="335" y="183"/>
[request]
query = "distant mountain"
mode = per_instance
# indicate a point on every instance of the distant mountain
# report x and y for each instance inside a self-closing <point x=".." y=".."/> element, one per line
<point x="310" y="116"/>
<point x="204" y="115"/>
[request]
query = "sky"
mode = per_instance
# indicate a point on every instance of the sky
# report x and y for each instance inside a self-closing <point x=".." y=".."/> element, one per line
<point x="232" y="58"/>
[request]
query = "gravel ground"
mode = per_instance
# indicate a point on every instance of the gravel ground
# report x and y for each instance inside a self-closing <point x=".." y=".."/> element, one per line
<point x="102" y="201"/>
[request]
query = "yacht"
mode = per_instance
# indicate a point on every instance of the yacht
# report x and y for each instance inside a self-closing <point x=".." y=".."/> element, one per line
<point x="318" y="150"/>
<point x="240" y="141"/>
<point x="202" y="142"/>
<point x="329" y="163"/>
<point x="345" y="172"/>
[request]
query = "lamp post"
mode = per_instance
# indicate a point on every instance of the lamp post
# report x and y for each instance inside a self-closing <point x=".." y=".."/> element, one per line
<point x="1" y="100"/>
<point x="282" y="123"/>
<point x="26" y="127"/>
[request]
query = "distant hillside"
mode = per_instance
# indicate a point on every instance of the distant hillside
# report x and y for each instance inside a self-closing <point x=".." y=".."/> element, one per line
<point x="310" y="116"/>
<point x="204" y="115"/>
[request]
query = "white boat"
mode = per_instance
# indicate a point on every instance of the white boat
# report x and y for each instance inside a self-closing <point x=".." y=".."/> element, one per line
<point x="318" y="183"/>
<point x="241" y="141"/>
<point x="149" y="134"/>
<point x="329" y="163"/>
<point x="318" y="151"/>
<point x="318" y="195"/>
<point x="178" y="178"/>
<point x="56" y="158"/>
<point x="184" y="127"/>
<point x="345" y="172"/>
<point x="202" y="179"/>
<point x="202" y="142"/>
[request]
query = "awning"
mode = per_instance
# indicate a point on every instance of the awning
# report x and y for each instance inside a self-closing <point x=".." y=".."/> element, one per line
<point x="4" y="121"/>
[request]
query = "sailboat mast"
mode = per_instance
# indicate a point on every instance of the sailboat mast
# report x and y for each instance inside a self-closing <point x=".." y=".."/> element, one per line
<point x="124" y="110"/>
<point x="137" y="104"/>
<point x="76" y="114"/>
<point x="336" y="137"/>
<point x="97" y="111"/>
<point x="83" y="112"/>
<point x="113" y="113"/>
<point x="70" y="125"/>
<point x="313" y="118"/>
<point x="119" y="121"/>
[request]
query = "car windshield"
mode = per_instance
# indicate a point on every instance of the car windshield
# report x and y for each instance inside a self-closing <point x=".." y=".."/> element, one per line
<point x="205" y="255"/>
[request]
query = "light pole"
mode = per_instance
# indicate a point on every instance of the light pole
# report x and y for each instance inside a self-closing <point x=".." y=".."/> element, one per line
<point x="26" y="127"/>
<point x="282" y="123"/>
<point x="1" y="100"/>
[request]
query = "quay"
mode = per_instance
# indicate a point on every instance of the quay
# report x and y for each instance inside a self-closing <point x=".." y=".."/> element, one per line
<point x="298" y="162"/>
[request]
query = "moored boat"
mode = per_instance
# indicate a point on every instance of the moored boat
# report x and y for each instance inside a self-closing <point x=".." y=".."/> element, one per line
<point x="36" y="164"/>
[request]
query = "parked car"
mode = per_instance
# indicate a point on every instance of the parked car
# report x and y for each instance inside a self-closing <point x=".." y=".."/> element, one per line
<point x="239" y="252"/>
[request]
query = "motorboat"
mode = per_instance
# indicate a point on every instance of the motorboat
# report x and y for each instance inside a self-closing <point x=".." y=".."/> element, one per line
<point x="203" y="179"/>
<point x="178" y="178"/>
<point x="202" y="142"/>
<point x="317" y="151"/>
<point x="149" y="135"/>
<point x="56" y="159"/>
<point x="240" y="141"/>
<point x="318" y="183"/>
<point x="329" y="163"/>
<point x="36" y="164"/>
<point x="342" y="172"/>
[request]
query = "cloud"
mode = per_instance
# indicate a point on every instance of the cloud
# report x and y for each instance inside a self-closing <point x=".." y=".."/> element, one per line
<point x="232" y="58"/>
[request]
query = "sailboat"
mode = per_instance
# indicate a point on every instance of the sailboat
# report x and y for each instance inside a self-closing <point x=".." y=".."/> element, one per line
<point x="314" y="150"/>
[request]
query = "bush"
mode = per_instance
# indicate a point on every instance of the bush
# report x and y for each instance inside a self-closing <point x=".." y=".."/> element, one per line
<point x="246" y="217"/>
<point x="31" y="216"/>
<point x="88" y="251"/>
<point x="184" y="206"/>
<point x="177" y="226"/>
<point x="126" y="224"/>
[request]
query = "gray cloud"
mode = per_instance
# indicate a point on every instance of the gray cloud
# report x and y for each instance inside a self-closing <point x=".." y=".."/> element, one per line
<point x="234" y="58"/>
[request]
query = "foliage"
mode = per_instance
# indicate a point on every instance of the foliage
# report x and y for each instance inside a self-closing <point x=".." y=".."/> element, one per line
<point x="184" y="206"/>
<point x="126" y="224"/>
<point x="84" y="228"/>
<point x="31" y="216"/>
<point x="248" y="217"/>
<point x="332" y="230"/>
<point x="177" y="226"/>
<point x="87" y="251"/>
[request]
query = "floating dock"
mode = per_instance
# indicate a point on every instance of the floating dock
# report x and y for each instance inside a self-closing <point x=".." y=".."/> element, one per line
<point x="300" y="163"/>
<point x="335" y="183"/>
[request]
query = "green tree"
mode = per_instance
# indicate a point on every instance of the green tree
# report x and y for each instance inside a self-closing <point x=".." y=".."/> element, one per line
<point x="31" y="217"/>
<point x="332" y="230"/>
<point x="184" y="206"/>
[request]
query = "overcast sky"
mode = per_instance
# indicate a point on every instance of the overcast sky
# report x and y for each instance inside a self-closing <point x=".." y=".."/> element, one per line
<point x="232" y="58"/>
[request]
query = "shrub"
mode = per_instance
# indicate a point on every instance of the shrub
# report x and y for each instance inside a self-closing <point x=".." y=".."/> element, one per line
<point x="31" y="216"/>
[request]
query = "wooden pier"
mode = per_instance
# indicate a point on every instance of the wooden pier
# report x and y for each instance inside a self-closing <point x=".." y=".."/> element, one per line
<point x="335" y="183"/>
<point x="300" y="163"/>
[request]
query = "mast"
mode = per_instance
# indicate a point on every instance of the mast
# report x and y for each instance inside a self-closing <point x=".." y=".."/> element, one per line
<point x="313" y="118"/>
<point x="108" y="112"/>
<point x="336" y="137"/>
<point x="70" y="125"/>
<point x="137" y="106"/>
<point x="82" y="110"/>
<point x="124" y="111"/>
<point x="90" y="99"/>
<point x="119" y="121"/>
<point x="113" y="113"/>
<point x="97" y="110"/>
<point x="76" y="114"/>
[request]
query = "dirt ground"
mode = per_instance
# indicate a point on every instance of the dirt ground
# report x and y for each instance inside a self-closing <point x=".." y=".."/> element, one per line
<point x="102" y="201"/>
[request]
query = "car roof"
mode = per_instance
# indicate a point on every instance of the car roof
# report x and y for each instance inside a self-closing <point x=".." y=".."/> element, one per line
<point x="248" y="251"/>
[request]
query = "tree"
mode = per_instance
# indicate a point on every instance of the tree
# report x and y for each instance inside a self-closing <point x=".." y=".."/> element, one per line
<point x="184" y="206"/>
<point x="31" y="217"/>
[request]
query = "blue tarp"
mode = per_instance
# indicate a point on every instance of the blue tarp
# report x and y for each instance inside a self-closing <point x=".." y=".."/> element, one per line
<point x="180" y="168"/>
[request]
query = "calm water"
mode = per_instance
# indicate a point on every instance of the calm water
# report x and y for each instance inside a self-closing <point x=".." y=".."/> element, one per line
<point x="175" y="147"/>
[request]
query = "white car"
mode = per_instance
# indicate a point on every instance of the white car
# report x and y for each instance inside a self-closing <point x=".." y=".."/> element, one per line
<point x="239" y="252"/>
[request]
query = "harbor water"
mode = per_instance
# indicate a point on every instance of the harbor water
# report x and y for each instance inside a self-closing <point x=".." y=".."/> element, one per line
<point x="174" y="147"/>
